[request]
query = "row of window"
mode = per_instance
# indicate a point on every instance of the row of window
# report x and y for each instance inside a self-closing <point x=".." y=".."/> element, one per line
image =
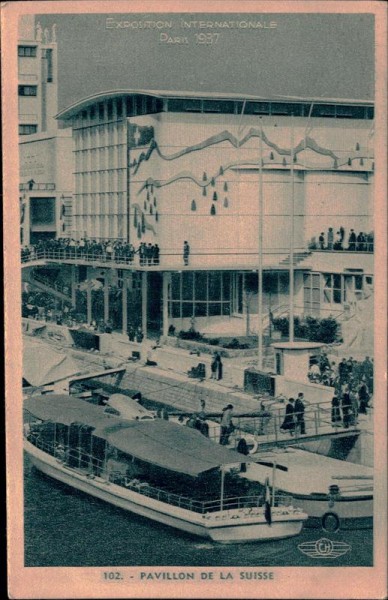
<point x="27" y="51"/>
<point x="27" y="129"/>
<point x="336" y="288"/>
<point x="141" y="105"/>
<point x="28" y="90"/>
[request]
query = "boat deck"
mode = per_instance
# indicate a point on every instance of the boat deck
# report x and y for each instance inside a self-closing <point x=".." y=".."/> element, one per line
<point x="310" y="473"/>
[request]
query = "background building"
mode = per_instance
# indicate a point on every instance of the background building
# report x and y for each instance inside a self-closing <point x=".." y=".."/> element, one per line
<point x="45" y="150"/>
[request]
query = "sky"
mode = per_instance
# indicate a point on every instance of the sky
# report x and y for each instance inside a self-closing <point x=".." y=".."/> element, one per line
<point x="306" y="55"/>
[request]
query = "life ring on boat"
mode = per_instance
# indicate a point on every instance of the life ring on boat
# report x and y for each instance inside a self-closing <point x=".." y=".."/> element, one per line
<point x="254" y="447"/>
<point x="330" y="522"/>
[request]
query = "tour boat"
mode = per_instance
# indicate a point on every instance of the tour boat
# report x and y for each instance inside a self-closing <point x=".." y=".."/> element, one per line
<point x="134" y="465"/>
<point x="334" y="493"/>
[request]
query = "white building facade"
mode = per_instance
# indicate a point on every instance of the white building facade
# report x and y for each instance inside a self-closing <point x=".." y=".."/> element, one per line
<point x="166" y="167"/>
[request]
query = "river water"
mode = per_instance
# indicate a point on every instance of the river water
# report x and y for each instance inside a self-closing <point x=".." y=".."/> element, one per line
<point x="66" y="528"/>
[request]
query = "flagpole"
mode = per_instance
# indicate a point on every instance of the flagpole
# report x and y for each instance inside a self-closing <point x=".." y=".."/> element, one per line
<point x="222" y="489"/>
<point x="273" y="482"/>
<point x="291" y="322"/>
<point x="260" y="273"/>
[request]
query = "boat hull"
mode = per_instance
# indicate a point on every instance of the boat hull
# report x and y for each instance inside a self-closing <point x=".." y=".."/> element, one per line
<point x="352" y="512"/>
<point x="224" y="530"/>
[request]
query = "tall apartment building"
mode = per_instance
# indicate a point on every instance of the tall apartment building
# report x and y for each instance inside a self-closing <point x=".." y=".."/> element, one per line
<point x="45" y="150"/>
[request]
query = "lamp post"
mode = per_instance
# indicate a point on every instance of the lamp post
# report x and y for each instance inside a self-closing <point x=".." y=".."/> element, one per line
<point x="260" y="270"/>
<point x="292" y="213"/>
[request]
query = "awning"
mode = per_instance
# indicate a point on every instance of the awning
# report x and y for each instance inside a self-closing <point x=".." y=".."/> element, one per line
<point x="66" y="410"/>
<point x="42" y="364"/>
<point x="162" y="443"/>
<point x="170" y="446"/>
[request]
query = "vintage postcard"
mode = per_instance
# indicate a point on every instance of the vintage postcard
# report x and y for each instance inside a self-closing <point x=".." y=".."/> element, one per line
<point x="195" y="298"/>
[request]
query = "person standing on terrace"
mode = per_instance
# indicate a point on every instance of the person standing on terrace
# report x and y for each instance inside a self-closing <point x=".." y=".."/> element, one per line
<point x="352" y="240"/>
<point x="330" y="239"/>
<point x="186" y="253"/>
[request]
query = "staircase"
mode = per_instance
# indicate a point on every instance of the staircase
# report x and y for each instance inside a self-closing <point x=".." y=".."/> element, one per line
<point x="31" y="277"/>
<point x="298" y="258"/>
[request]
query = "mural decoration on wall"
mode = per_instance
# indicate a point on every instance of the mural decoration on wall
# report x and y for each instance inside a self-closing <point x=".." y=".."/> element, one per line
<point x="274" y="155"/>
<point x="139" y="135"/>
<point x="226" y="136"/>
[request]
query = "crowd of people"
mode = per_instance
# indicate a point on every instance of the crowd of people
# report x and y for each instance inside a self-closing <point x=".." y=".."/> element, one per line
<point x="347" y="372"/>
<point x="352" y="381"/>
<point x="356" y="242"/>
<point x="116" y="251"/>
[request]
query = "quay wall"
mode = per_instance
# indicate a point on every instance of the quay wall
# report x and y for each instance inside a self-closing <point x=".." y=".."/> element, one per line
<point x="182" y="393"/>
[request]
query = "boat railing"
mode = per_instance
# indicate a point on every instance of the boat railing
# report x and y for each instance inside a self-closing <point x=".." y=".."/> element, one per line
<point x="80" y="461"/>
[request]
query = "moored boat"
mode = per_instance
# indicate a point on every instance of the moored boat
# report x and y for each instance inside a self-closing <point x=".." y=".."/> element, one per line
<point x="154" y="468"/>
<point x="334" y="493"/>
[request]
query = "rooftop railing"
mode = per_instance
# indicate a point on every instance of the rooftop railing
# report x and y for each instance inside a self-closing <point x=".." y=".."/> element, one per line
<point x="42" y="187"/>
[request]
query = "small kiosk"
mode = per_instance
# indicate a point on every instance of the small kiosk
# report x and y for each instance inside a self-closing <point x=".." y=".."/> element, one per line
<point x="293" y="359"/>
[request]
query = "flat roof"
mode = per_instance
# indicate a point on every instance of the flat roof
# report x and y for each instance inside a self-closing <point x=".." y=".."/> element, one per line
<point x="297" y="345"/>
<point x="84" y="103"/>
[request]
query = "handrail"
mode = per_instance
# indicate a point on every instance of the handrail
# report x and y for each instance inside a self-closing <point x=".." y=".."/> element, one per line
<point x="53" y="284"/>
<point x="86" y="462"/>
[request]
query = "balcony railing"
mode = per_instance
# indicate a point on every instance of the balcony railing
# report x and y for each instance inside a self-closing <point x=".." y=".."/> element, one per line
<point x="41" y="187"/>
<point x="369" y="248"/>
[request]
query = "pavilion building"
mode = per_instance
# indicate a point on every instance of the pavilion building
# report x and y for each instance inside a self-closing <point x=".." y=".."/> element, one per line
<point x="249" y="183"/>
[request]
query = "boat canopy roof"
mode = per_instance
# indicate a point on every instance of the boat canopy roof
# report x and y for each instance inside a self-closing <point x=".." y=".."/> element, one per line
<point x="66" y="410"/>
<point x="170" y="446"/>
<point x="162" y="443"/>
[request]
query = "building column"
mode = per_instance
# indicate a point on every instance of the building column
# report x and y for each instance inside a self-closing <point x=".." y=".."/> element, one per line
<point x="166" y="282"/>
<point x="144" y="302"/>
<point x="89" y="316"/>
<point x="73" y="285"/>
<point x="124" y="303"/>
<point x="106" y="298"/>
<point x="26" y="221"/>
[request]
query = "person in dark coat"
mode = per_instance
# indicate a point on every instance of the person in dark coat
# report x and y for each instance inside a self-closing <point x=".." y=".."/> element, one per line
<point x="363" y="397"/>
<point x="220" y="367"/>
<point x="352" y="240"/>
<point x="299" y="414"/>
<point x="213" y="368"/>
<point x="321" y="240"/>
<point x="343" y="370"/>
<point x="186" y="253"/>
<point x="288" y="423"/>
<point x="335" y="411"/>
<point x="330" y="239"/>
<point x="346" y="404"/>
<point x="226" y="424"/>
<point x="242" y="448"/>
<point x="156" y="254"/>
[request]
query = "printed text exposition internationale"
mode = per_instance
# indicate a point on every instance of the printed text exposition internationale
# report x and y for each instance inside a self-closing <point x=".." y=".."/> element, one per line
<point x="112" y="23"/>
